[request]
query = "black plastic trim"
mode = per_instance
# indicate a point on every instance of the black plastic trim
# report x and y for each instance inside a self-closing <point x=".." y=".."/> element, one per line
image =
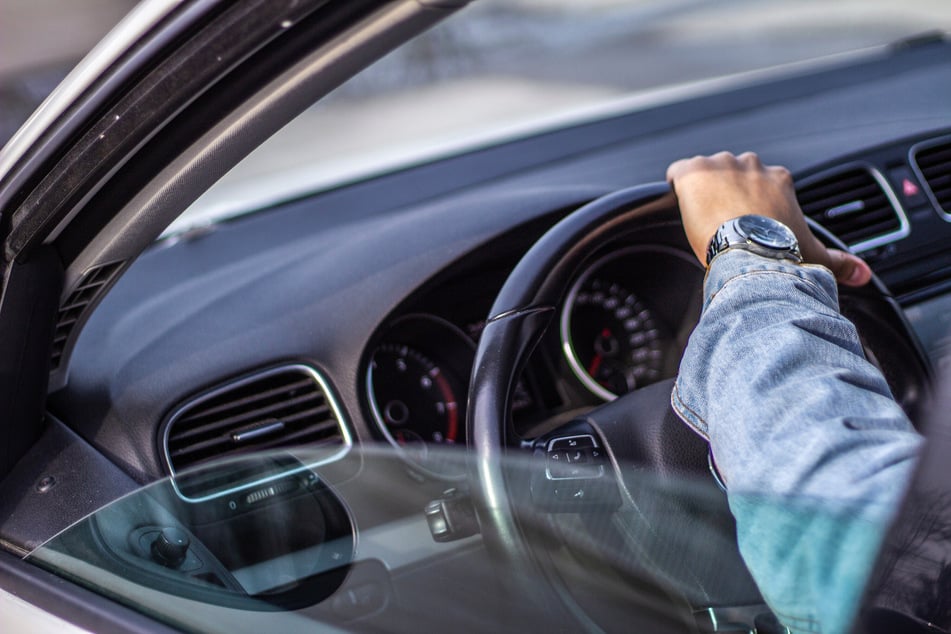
<point x="160" y="96"/>
<point x="28" y="318"/>
<point x="40" y="157"/>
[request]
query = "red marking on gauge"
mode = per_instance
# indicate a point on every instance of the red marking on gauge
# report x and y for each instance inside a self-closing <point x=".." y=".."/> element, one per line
<point x="595" y="364"/>
<point x="452" y="410"/>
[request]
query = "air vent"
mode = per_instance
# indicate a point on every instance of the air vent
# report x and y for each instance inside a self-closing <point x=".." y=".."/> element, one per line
<point x="283" y="407"/>
<point x="855" y="204"/>
<point x="933" y="162"/>
<point x="74" y="309"/>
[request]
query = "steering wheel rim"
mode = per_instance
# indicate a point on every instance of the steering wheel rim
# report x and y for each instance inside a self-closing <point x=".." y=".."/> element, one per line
<point x="524" y="308"/>
<point x="521" y="313"/>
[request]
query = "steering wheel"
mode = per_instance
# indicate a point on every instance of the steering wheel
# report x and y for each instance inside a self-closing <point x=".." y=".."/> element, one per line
<point x="633" y="455"/>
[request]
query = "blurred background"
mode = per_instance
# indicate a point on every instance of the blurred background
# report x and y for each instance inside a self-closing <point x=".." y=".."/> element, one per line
<point x="588" y="48"/>
<point x="491" y="69"/>
<point x="40" y="41"/>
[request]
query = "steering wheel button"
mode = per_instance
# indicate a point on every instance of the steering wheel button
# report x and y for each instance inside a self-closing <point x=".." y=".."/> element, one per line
<point x="558" y="466"/>
<point x="573" y="492"/>
<point x="577" y="456"/>
<point x="571" y="442"/>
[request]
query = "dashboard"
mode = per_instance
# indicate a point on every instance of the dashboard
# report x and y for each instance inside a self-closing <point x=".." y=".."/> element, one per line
<point x="380" y="288"/>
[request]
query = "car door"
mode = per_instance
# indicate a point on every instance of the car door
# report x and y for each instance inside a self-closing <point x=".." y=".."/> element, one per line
<point x="173" y="98"/>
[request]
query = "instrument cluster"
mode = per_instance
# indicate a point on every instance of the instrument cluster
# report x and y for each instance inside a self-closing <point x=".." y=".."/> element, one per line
<point x="622" y="326"/>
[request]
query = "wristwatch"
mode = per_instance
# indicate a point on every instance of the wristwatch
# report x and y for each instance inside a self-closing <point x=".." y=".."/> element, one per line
<point x="759" y="234"/>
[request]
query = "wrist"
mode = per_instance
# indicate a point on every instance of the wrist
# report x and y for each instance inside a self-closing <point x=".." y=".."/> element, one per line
<point x="743" y="266"/>
<point x="762" y="235"/>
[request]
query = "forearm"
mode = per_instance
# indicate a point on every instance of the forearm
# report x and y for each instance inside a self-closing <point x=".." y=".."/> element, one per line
<point x="812" y="447"/>
<point x="776" y="379"/>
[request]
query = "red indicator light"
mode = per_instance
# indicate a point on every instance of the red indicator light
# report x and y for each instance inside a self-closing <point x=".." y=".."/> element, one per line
<point x="908" y="188"/>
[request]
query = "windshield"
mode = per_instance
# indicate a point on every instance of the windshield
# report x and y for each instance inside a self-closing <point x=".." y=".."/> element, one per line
<point x="283" y="554"/>
<point x="505" y="68"/>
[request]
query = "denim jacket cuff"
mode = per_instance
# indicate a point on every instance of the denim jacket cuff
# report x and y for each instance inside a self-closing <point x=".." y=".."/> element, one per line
<point x="735" y="263"/>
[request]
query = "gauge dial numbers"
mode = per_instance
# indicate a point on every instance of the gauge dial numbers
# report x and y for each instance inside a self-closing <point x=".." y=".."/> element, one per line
<point x="612" y="340"/>
<point x="415" y="399"/>
<point x="417" y="390"/>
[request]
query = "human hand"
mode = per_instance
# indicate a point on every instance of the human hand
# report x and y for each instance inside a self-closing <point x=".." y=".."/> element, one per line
<point x="713" y="189"/>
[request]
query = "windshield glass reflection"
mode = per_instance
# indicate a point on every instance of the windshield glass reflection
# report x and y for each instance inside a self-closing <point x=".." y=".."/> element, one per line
<point x="364" y="543"/>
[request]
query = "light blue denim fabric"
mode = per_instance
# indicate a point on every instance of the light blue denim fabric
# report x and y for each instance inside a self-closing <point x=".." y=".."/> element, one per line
<point x="813" y="449"/>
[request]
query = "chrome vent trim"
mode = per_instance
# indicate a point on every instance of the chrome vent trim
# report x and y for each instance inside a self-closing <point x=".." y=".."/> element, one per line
<point x="74" y="309"/>
<point x="931" y="161"/>
<point x="856" y="204"/>
<point x="284" y="407"/>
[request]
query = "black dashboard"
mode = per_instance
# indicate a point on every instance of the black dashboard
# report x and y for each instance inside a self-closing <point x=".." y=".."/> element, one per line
<point x="381" y="286"/>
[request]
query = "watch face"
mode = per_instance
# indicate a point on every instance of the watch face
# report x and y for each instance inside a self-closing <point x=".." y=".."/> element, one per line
<point x="766" y="232"/>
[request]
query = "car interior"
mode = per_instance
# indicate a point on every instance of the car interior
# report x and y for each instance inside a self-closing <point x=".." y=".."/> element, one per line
<point x="314" y="410"/>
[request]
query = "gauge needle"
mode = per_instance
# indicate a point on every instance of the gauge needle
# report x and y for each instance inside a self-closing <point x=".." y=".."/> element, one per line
<point x="595" y="364"/>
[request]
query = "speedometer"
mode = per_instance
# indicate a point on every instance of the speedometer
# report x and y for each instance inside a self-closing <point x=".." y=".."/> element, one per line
<point x="611" y="338"/>
<point x="417" y="384"/>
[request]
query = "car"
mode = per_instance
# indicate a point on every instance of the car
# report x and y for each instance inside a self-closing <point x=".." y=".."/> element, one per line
<point x="427" y="387"/>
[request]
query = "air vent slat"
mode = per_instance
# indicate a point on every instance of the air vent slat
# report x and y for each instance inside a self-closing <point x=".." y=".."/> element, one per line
<point x="934" y="156"/>
<point x="224" y="443"/>
<point x="943" y="195"/>
<point x="236" y="424"/>
<point x="941" y="186"/>
<point x="241" y="419"/>
<point x="280" y="408"/>
<point x="936" y="173"/>
<point x="215" y="409"/>
<point x="871" y="231"/>
<point x="934" y="164"/>
<point x="200" y="448"/>
<point x="313" y="435"/>
<point x="65" y="324"/>
<point x="854" y="205"/>
<point x="76" y="306"/>
<point x="841" y="193"/>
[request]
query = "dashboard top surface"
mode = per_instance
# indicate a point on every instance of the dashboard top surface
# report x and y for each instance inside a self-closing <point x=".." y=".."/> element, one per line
<point x="317" y="280"/>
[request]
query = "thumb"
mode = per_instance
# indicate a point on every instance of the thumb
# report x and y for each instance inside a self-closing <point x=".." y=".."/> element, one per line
<point x="849" y="269"/>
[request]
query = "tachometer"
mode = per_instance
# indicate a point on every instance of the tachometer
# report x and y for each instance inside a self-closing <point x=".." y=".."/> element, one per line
<point x="611" y="338"/>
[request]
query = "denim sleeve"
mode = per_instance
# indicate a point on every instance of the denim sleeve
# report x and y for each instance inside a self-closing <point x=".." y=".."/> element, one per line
<point x="814" y="451"/>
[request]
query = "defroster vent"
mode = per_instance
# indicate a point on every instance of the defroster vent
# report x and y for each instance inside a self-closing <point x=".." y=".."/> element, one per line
<point x="289" y="406"/>
<point x="933" y="162"/>
<point x="856" y="204"/>
<point x="75" y="308"/>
